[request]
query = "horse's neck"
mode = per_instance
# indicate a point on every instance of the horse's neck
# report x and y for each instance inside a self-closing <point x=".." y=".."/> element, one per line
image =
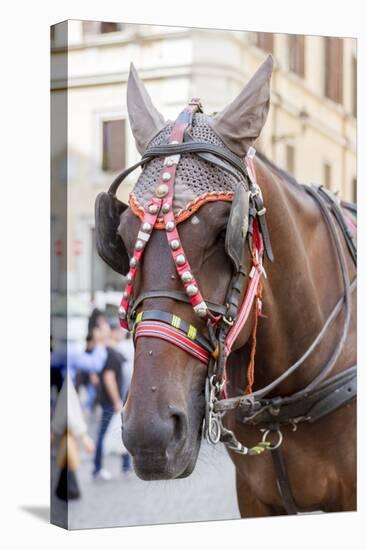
<point x="301" y="288"/>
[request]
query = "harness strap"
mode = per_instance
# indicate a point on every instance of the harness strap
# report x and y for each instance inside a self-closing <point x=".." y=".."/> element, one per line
<point x="332" y="394"/>
<point x="283" y="482"/>
<point x="196" y="147"/>
<point x="177" y="295"/>
<point x="207" y="151"/>
<point x="258" y="203"/>
<point x="342" y="395"/>
<point x="333" y="201"/>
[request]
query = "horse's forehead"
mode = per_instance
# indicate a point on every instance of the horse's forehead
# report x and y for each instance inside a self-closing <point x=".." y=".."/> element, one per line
<point x="196" y="180"/>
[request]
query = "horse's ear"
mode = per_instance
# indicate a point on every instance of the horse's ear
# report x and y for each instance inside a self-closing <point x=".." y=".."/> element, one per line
<point x="145" y="119"/>
<point x="241" y="122"/>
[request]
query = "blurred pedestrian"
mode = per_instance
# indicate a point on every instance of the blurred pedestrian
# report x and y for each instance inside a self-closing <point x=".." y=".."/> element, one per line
<point x="122" y="342"/>
<point x="68" y="428"/>
<point x="109" y="390"/>
<point x="117" y="340"/>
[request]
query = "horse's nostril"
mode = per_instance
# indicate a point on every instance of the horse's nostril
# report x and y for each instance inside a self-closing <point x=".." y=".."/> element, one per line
<point x="179" y="427"/>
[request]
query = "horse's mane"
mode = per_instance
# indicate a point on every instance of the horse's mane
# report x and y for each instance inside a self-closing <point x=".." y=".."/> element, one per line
<point x="351" y="206"/>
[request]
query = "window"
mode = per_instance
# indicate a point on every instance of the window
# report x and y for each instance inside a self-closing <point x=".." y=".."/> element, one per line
<point x="354" y="86"/>
<point x="52" y="35"/>
<point x="265" y="41"/>
<point x="109" y="27"/>
<point x="354" y="190"/>
<point x="114" y="145"/>
<point x="100" y="27"/>
<point x="290" y="158"/>
<point x="296" y="51"/>
<point x="327" y="175"/>
<point x="334" y="69"/>
<point x="91" y="27"/>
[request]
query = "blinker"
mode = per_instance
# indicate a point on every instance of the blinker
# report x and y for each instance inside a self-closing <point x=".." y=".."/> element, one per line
<point x="237" y="226"/>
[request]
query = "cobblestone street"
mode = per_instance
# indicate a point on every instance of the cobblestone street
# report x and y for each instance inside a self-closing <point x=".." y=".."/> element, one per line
<point x="208" y="494"/>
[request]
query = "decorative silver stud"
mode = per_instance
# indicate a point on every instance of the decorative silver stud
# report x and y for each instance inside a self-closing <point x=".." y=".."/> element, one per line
<point x="121" y="313"/>
<point x="187" y="277"/>
<point x="166" y="207"/>
<point x="146" y="227"/>
<point x="139" y="245"/>
<point x="129" y="277"/>
<point x="171" y="160"/>
<point x="133" y="262"/>
<point x="153" y="208"/>
<point x="180" y="259"/>
<point x="169" y="226"/>
<point x="125" y="294"/>
<point x="191" y="290"/>
<point x="174" y="244"/>
<point x="166" y="176"/>
<point x="161" y="190"/>
<point x="201" y="310"/>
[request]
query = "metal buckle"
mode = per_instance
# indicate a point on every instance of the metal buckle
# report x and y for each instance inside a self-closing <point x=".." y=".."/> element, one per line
<point x="196" y="101"/>
<point x="229" y="321"/>
<point x="256" y="190"/>
<point x="213" y="425"/>
<point x="262" y="211"/>
<point x="251" y="152"/>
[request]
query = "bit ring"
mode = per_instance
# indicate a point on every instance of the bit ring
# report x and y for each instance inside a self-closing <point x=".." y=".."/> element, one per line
<point x="279" y="441"/>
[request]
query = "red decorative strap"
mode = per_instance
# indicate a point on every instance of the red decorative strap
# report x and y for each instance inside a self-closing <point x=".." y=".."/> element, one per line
<point x="143" y="237"/>
<point x="163" y="202"/>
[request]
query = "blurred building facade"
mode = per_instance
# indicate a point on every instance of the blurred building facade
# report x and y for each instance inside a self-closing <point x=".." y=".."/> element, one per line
<point x="310" y="130"/>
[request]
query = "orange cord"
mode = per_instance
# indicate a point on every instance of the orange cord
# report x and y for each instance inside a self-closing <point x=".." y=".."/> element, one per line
<point x="250" y="371"/>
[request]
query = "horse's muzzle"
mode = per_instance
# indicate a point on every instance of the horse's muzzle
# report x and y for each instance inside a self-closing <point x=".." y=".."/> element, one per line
<point x="156" y="442"/>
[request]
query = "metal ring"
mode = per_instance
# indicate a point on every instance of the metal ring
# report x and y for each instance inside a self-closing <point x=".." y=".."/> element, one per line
<point x="214" y="429"/>
<point x="216" y="385"/>
<point x="280" y="439"/>
<point x="229" y="321"/>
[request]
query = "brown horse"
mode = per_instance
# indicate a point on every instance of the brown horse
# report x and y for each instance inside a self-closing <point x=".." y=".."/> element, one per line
<point x="163" y="415"/>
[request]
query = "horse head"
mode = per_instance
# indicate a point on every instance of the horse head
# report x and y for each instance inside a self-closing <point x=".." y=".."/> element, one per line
<point x="184" y="248"/>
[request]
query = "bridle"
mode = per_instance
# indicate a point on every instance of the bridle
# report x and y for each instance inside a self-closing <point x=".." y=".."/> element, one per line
<point x="224" y="322"/>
